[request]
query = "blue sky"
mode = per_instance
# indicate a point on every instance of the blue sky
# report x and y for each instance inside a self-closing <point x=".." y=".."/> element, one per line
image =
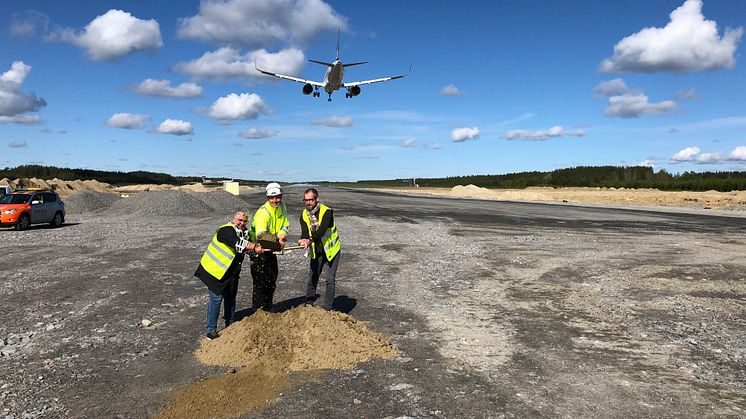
<point x="495" y="87"/>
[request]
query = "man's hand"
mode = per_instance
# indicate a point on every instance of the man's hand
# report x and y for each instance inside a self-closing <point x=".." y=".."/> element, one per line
<point x="282" y="240"/>
<point x="258" y="248"/>
<point x="304" y="242"/>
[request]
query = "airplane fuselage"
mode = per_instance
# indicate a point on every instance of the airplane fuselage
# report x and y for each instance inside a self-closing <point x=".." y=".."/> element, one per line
<point x="333" y="77"/>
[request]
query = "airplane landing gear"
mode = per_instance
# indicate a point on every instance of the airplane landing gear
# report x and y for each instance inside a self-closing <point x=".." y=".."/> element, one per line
<point x="316" y="94"/>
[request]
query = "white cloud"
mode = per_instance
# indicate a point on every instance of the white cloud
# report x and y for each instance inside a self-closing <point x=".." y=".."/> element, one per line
<point x="738" y="154"/>
<point x="28" y="23"/>
<point x="609" y="88"/>
<point x="227" y="63"/>
<point x="692" y="154"/>
<point x="541" y="135"/>
<point x="409" y="143"/>
<point x="634" y="104"/>
<point x="648" y="163"/>
<point x="686" y="154"/>
<point x="687" y="43"/>
<point x="113" y="35"/>
<point x="716" y="157"/>
<point x="257" y="133"/>
<point x="260" y="24"/>
<point x="175" y="127"/>
<point x="674" y="130"/>
<point x="163" y="88"/>
<point x="13" y="102"/>
<point x="20" y="119"/>
<point x="459" y="135"/>
<point x="450" y="90"/>
<point x="334" y="121"/>
<point x="127" y="120"/>
<point x="233" y="106"/>
<point x="689" y="94"/>
<point x="17" y="144"/>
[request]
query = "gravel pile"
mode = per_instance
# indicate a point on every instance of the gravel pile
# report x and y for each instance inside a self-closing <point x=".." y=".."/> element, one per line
<point x="89" y="202"/>
<point x="222" y="201"/>
<point x="165" y="202"/>
<point x="160" y="203"/>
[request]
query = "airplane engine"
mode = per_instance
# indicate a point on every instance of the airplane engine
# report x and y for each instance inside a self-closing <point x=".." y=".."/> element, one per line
<point x="354" y="91"/>
<point x="307" y="89"/>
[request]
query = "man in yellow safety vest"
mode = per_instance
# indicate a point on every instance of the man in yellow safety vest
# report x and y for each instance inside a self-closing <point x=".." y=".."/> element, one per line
<point x="220" y="268"/>
<point x="319" y="235"/>
<point x="270" y="219"/>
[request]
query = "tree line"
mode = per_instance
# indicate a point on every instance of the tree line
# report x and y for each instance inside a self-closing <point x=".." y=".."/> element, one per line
<point x="113" y="178"/>
<point x="586" y="176"/>
<point x="582" y="176"/>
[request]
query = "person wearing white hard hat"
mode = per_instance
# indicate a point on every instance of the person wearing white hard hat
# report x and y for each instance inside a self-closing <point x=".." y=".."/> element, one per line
<point x="271" y="218"/>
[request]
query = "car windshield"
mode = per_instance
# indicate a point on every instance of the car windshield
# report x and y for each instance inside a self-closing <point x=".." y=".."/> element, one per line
<point x="14" y="199"/>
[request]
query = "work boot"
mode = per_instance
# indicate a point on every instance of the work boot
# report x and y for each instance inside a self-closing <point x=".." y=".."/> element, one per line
<point x="213" y="335"/>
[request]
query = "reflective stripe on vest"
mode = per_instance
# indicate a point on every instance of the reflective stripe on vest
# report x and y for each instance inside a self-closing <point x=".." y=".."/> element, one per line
<point x="218" y="256"/>
<point x="330" y="239"/>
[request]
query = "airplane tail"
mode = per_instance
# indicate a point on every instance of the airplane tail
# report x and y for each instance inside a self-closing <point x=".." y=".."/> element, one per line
<point x="337" y="59"/>
<point x="339" y="32"/>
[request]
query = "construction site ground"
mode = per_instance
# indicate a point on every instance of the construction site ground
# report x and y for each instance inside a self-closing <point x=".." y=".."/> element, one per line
<point x="496" y="309"/>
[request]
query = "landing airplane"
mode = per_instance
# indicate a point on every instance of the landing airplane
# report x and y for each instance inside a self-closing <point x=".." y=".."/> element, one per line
<point x="332" y="79"/>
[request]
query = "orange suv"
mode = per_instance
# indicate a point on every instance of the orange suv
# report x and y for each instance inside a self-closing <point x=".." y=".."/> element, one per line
<point x="23" y="208"/>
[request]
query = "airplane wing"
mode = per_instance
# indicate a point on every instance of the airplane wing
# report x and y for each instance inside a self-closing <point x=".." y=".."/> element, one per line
<point x="364" y="82"/>
<point x="296" y="79"/>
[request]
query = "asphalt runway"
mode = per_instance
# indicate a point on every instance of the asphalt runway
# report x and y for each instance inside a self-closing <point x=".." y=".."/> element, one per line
<point x="500" y="309"/>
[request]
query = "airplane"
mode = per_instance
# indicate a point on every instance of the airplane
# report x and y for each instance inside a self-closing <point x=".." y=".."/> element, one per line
<point x="333" y="79"/>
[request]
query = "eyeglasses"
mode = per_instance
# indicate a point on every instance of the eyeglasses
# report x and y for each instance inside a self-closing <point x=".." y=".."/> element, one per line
<point x="309" y="199"/>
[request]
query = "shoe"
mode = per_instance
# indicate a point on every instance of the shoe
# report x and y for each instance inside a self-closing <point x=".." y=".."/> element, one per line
<point x="213" y="335"/>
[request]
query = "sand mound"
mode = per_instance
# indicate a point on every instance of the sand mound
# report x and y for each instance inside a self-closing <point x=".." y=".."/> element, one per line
<point x="196" y="187"/>
<point x="304" y="338"/>
<point x="62" y="187"/>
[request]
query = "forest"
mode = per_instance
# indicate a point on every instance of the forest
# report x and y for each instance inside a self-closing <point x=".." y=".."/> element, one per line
<point x="582" y="176"/>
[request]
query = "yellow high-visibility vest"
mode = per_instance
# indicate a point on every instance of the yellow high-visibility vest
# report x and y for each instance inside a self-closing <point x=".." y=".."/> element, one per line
<point x="268" y="218"/>
<point x="218" y="256"/>
<point x="330" y="239"/>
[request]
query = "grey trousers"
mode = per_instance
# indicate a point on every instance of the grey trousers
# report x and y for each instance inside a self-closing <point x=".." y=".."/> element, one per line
<point x="317" y="266"/>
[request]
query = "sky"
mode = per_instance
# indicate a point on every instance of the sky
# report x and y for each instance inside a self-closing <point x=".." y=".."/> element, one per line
<point x="490" y="87"/>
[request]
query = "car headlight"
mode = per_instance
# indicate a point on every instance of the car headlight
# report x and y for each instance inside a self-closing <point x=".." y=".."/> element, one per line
<point x="10" y="211"/>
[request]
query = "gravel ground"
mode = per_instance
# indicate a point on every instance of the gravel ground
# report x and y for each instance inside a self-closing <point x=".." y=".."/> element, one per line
<point x="499" y="309"/>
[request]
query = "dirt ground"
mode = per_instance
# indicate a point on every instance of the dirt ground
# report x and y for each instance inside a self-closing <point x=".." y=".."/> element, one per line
<point x="496" y="309"/>
<point x="734" y="200"/>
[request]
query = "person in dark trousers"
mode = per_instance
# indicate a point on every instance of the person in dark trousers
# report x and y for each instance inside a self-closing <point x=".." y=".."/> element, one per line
<point x="320" y="236"/>
<point x="220" y="267"/>
<point x="270" y="219"/>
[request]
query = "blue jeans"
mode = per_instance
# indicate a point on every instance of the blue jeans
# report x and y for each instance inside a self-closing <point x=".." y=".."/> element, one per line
<point x="228" y="298"/>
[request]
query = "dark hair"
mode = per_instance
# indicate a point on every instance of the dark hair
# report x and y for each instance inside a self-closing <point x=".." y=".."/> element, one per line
<point x="315" y="192"/>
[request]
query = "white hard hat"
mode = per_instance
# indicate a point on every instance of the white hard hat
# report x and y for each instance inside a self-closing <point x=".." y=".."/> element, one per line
<point x="274" y="189"/>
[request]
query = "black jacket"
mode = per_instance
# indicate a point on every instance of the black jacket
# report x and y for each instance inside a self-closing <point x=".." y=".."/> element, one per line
<point x="226" y="235"/>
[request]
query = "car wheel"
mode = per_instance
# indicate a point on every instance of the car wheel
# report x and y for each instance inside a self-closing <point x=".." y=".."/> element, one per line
<point x="57" y="220"/>
<point x="23" y="222"/>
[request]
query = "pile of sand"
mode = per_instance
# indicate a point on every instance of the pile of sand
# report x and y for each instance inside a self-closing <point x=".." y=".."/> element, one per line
<point x="733" y="200"/>
<point x="266" y="347"/>
<point x="303" y="338"/>
<point x="62" y="187"/>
